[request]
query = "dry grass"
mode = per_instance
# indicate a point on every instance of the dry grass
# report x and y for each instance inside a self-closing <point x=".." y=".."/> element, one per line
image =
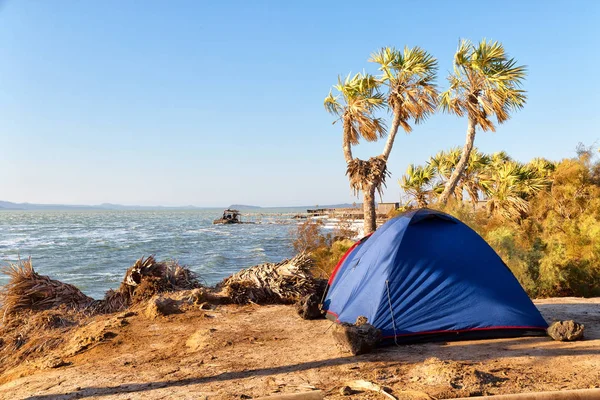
<point x="144" y="279"/>
<point x="37" y="311"/>
<point x="284" y="282"/>
<point x="28" y="290"/>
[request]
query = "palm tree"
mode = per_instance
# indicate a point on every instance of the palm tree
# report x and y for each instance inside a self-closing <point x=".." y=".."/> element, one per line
<point x="474" y="173"/>
<point x="485" y="82"/>
<point x="411" y="96"/>
<point x="443" y="164"/>
<point x="541" y="167"/>
<point x="508" y="187"/>
<point x="412" y="93"/>
<point x="417" y="183"/>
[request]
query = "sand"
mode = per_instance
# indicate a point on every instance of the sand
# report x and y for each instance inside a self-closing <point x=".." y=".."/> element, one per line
<point x="235" y="352"/>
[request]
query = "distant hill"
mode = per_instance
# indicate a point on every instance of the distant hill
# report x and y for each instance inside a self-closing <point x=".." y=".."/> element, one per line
<point x="243" y="207"/>
<point x="7" y="205"/>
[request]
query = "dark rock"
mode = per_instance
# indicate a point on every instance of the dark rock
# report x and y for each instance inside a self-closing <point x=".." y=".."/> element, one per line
<point x="566" y="331"/>
<point x="346" y="391"/>
<point x="160" y="307"/>
<point x="308" y="307"/>
<point x="359" y="338"/>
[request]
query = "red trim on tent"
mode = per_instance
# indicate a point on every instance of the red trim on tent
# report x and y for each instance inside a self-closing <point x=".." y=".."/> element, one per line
<point x="346" y="254"/>
<point x="491" y="328"/>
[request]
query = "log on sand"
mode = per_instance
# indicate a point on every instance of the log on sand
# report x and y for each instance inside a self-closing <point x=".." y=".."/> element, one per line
<point x="314" y="395"/>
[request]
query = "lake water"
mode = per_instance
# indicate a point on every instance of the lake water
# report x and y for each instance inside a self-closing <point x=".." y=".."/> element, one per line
<point x="93" y="249"/>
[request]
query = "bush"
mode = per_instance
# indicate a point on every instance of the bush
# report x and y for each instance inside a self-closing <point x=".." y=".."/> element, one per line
<point x="326" y="258"/>
<point x="308" y="236"/>
<point x="555" y="249"/>
<point x="325" y="249"/>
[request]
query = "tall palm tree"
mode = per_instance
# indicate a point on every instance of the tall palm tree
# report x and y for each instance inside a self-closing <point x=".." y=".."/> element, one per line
<point x="411" y="97"/>
<point x="412" y="93"/>
<point x="357" y="101"/>
<point x="417" y="183"/>
<point x="485" y="83"/>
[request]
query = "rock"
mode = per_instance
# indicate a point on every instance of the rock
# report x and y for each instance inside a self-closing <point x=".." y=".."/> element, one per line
<point x="566" y="331"/>
<point x="159" y="306"/>
<point x="359" y="338"/>
<point x="308" y="307"/>
<point x="54" y="362"/>
<point x="346" y="391"/>
<point x="90" y="335"/>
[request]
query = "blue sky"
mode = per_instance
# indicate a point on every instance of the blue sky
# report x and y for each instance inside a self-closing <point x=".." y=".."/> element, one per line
<point x="213" y="103"/>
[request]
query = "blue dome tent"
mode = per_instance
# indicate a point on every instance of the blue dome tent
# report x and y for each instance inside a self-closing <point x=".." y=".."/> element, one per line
<point x="425" y="275"/>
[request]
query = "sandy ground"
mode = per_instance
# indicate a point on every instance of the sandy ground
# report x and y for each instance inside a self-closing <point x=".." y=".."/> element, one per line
<point x="235" y="352"/>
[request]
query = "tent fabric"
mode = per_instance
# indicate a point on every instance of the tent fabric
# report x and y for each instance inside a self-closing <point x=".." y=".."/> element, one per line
<point x="426" y="273"/>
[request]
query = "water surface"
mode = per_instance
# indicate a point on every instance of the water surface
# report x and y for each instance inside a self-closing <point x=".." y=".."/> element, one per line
<point x="93" y="249"/>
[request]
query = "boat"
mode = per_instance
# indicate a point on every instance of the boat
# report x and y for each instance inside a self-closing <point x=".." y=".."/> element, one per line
<point x="229" y="217"/>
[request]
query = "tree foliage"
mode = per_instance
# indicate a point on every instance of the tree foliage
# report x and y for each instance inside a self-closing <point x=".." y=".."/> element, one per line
<point x="406" y="88"/>
<point x="485" y="83"/>
<point x="542" y="218"/>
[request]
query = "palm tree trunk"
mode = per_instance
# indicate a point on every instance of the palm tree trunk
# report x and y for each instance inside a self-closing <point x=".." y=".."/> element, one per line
<point x="462" y="163"/>
<point x="389" y="143"/>
<point x="370" y="216"/>
<point x="346" y="146"/>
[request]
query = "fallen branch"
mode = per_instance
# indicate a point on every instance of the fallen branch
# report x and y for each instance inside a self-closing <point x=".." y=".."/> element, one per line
<point x="361" y="384"/>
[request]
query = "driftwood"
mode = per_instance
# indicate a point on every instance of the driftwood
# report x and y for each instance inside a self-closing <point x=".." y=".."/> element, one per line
<point x="314" y="395"/>
<point x="361" y="384"/>
<point x="284" y="282"/>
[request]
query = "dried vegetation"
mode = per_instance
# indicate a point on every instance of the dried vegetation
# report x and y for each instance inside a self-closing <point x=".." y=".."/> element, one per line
<point x="37" y="311"/>
<point x="284" y="282"/>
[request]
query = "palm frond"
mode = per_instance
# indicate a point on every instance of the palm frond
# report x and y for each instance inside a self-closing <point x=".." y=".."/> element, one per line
<point x="410" y="77"/>
<point x="486" y="82"/>
<point x="357" y="100"/>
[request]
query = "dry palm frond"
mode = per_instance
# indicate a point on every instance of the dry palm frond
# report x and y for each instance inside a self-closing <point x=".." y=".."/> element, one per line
<point x="284" y="282"/>
<point x="170" y="272"/>
<point x="363" y="174"/>
<point x="145" y="278"/>
<point x="28" y="290"/>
